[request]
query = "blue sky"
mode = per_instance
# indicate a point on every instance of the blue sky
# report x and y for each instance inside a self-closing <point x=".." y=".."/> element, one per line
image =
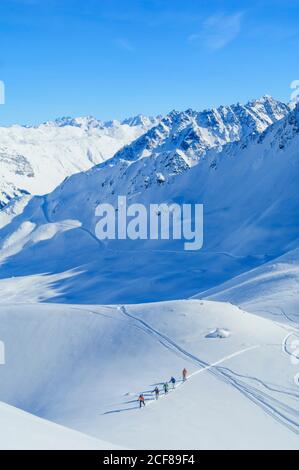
<point x="116" y="58"/>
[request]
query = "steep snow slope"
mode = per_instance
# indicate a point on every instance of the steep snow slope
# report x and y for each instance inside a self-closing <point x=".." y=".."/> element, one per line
<point x="84" y="366"/>
<point x="250" y="197"/>
<point x="22" y="431"/>
<point x="37" y="159"/>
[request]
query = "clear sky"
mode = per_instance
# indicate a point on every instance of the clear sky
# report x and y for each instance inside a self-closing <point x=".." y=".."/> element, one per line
<point x="117" y="58"/>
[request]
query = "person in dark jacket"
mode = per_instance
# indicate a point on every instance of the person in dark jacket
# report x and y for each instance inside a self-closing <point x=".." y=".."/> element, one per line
<point x="173" y="381"/>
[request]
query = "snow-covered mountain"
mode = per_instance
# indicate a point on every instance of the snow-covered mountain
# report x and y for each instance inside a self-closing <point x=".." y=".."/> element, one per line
<point x="247" y="190"/>
<point x="37" y="159"/>
<point x="82" y="364"/>
<point x="9" y="191"/>
<point x="189" y="134"/>
<point x="181" y="139"/>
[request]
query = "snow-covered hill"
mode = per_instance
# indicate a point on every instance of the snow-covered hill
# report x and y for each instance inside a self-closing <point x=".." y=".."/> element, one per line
<point x="84" y="366"/>
<point x="22" y="431"/>
<point x="270" y="290"/>
<point x="37" y="159"/>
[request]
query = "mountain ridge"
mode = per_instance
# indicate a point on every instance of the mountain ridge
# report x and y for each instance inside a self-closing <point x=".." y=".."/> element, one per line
<point x="36" y="159"/>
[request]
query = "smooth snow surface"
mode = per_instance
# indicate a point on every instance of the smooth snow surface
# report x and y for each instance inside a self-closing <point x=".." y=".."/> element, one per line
<point x="84" y="367"/>
<point x="23" y="431"/>
<point x="270" y="290"/>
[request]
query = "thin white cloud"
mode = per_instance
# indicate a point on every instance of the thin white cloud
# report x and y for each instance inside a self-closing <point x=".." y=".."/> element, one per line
<point x="218" y="30"/>
<point x="124" y="44"/>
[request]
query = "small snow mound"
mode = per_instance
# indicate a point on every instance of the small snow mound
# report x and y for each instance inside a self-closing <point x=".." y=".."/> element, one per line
<point x="160" y="178"/>
<point x="218" y="333"/>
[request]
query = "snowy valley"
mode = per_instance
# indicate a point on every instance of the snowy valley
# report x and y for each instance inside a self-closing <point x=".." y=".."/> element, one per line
<point x="88" y="325"/>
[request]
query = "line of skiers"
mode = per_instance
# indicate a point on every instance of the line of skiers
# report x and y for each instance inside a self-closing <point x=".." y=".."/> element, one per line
<point x="156" y="390"/>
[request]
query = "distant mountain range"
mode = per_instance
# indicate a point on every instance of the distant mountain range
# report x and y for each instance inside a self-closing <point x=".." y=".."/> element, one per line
<point x="36" y="159"/>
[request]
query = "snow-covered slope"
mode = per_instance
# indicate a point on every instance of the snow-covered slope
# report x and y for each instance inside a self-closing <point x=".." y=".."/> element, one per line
<point x="270" y="290"/>
<point x="249" y="190"/>
<point x="37" y="159"/>
<point x="22" y="431"/>
<point x="84" y="366"/>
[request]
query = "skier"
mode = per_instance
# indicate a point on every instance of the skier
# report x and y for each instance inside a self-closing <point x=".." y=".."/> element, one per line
<point x="172" y="381"/>
<point x="141" y="400"/>
<point x="157" y="392"/>
<point x="184" y="374"/>
<point x="166" y="388"/>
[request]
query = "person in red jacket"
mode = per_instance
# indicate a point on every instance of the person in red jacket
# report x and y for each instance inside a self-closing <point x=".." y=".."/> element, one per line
<point x="141" y="400"/>
<point x="184" y="374"/>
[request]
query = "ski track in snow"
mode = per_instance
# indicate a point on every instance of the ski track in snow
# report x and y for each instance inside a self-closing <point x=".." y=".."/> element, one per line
<point x="277" y="409"/>
<point x="285" y="345"/>
<point x="288" y="317"/>
<point x="44" y="207"/>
